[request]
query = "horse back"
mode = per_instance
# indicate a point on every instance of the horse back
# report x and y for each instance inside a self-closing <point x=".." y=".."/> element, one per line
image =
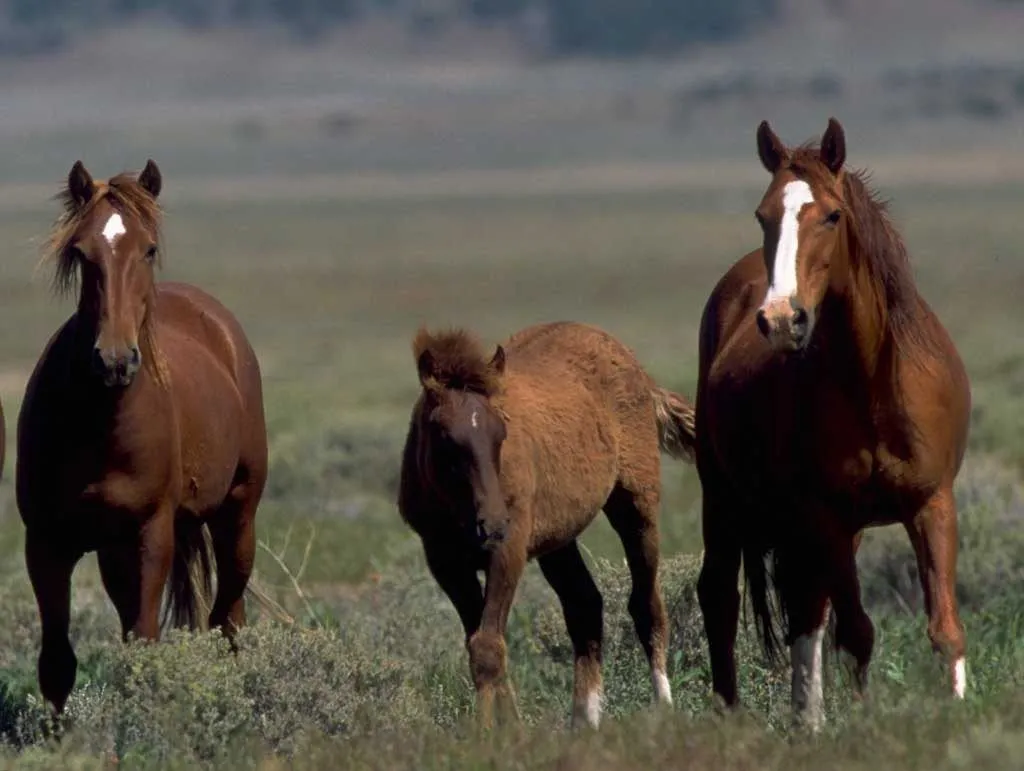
<point x="581" y="414"/>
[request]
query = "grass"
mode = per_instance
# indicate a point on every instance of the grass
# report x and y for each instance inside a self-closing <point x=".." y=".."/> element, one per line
<point x="375" y="675"/>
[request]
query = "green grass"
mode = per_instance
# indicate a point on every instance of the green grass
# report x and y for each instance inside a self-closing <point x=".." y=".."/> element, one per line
<point x="331" y="294"/>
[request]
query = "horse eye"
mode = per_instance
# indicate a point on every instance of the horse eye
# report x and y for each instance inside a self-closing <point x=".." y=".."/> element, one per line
<point x="151" y="254"/>
<point x="75" y="254"/>
<point x="760" y="218"/>
<point x="833" y="218"/>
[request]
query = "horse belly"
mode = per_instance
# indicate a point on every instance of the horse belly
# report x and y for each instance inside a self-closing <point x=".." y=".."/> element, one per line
<point x="211" y="423"/>
<point x="575" y="472"/>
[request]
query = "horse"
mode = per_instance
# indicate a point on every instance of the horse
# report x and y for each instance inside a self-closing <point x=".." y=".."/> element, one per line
<point x="142" y="434"/>
<point x="509" y="457"/>
<point x="830" y="399"/>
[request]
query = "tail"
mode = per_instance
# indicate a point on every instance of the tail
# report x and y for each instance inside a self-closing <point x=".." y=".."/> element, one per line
<point x="677" y="433"/>
<point x="190" y="598"/>
<point x="765" y="621"/>
<point x="190" y="594"/>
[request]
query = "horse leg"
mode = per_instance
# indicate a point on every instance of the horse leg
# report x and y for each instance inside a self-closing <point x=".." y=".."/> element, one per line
<point x="933" y="534"/>
<point x="718" y="592"/>
<point x="855" y="634"/>
<point x="49" y="569"/>
<point x="233" y="532"/>
<point x="458" y="580"/>
<point x="487" y="649"/>
<point x="119" y="570"/>
<point x="635" y="519"/>
<point x="806" y="597"/>
<point x="581" y="603"/>
<point x="156" y="552"/>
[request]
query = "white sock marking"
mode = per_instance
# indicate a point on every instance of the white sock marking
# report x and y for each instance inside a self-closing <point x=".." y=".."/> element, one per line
<point x="960" y="678"/>
<point x="662" y="689"/>
<point x="795" y="195"/>
<point x="808" y="695"/>
<point x="114" y="228"/>
<point x="592" y="708"/>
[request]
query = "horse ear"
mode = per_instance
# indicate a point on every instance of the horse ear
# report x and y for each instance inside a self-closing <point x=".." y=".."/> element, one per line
<point x="425" y="367"/>
<point x="833" y="146"/>
<point x="80" y="184"/>
<point x="497" y="364"/>
<point x="770" y="149"/>
<point x="150" y="179"/>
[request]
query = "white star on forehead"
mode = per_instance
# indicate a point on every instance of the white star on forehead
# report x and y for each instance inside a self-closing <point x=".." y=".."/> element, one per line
<point x="114" y="228"/>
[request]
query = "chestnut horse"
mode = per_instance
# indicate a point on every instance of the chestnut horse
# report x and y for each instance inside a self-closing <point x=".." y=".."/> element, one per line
<point x="510" y="457"/>
<point x="141" y="436"/>
<point x="830" y="399"/>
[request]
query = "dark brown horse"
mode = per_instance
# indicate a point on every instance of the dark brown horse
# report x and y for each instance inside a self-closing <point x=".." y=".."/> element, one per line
<point x="830" y="399"/>
<point x="511" y="457"/>
<point x="141" y="434"/>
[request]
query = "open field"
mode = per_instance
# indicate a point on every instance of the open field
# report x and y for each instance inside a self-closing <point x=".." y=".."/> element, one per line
<point x="331" y="288"/>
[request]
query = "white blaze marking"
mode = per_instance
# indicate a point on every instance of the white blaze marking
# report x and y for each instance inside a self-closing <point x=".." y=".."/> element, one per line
<point x="114" y="228"/>
<point x="808" y="696"/>
<point x="960" y="678"/>
<point x="473" y="420"/>
<point x="662" y="689"/>
<point x="795" y="195"/>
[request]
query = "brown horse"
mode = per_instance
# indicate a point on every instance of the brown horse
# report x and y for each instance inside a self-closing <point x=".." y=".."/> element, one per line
<point x="141" y="434"/>
<point x="510" y="457"/>
<point x="830" y="399"/>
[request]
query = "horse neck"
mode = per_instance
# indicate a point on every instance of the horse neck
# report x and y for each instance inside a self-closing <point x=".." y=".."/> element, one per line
<point x="862" y="311"/>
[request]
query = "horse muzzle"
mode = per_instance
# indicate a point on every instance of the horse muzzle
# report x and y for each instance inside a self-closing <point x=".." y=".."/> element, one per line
<point x="117" y="366"/>
<point x="786" y="324"/>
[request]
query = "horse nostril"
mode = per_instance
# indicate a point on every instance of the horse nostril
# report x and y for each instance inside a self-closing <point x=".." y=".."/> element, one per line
<point x="800" y="318"/>
<point x="136" y="356"/>
<point x="762" y="323"/>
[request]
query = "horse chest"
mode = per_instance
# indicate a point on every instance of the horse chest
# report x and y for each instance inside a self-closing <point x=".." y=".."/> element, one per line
<point x="777" y="431"/>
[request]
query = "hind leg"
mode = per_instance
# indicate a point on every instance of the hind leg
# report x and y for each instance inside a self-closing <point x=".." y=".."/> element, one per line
<point x="49" y="569"/>
<point x="804" y="588"/>
<point x="233" y="532"/>
<point x="635" y="518"/>
<point x="855" y="634"/>
<point x="933" y="534"/>
<point x="581" y="603"/>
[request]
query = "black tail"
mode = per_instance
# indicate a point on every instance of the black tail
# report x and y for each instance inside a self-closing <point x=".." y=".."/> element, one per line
<point x="190" y="593"/>
<point x="767" y="622"/>
<point x="766" y="589"/>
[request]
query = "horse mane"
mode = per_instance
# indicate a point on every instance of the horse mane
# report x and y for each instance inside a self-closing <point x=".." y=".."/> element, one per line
<point x="877" y="245"/>
<point x="126" y="195"/>
<point x="457" y="361"/>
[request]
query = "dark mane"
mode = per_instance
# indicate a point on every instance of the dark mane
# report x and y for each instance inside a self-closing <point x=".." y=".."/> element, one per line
<point x="125" y="194"/>
<point x="456" y="360"/>
<point x="877" y="244"/>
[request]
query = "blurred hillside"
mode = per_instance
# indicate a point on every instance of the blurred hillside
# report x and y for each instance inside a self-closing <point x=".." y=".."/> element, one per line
<point x="635" y="93"/>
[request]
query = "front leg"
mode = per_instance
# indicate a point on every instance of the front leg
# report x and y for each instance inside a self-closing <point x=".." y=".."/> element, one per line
<point x="487" y="649"/>
<point x="456" y="575"/>
<point x="156" y="552"/>
<point x="933" y="534"/>
<point x="49" y="569"/>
